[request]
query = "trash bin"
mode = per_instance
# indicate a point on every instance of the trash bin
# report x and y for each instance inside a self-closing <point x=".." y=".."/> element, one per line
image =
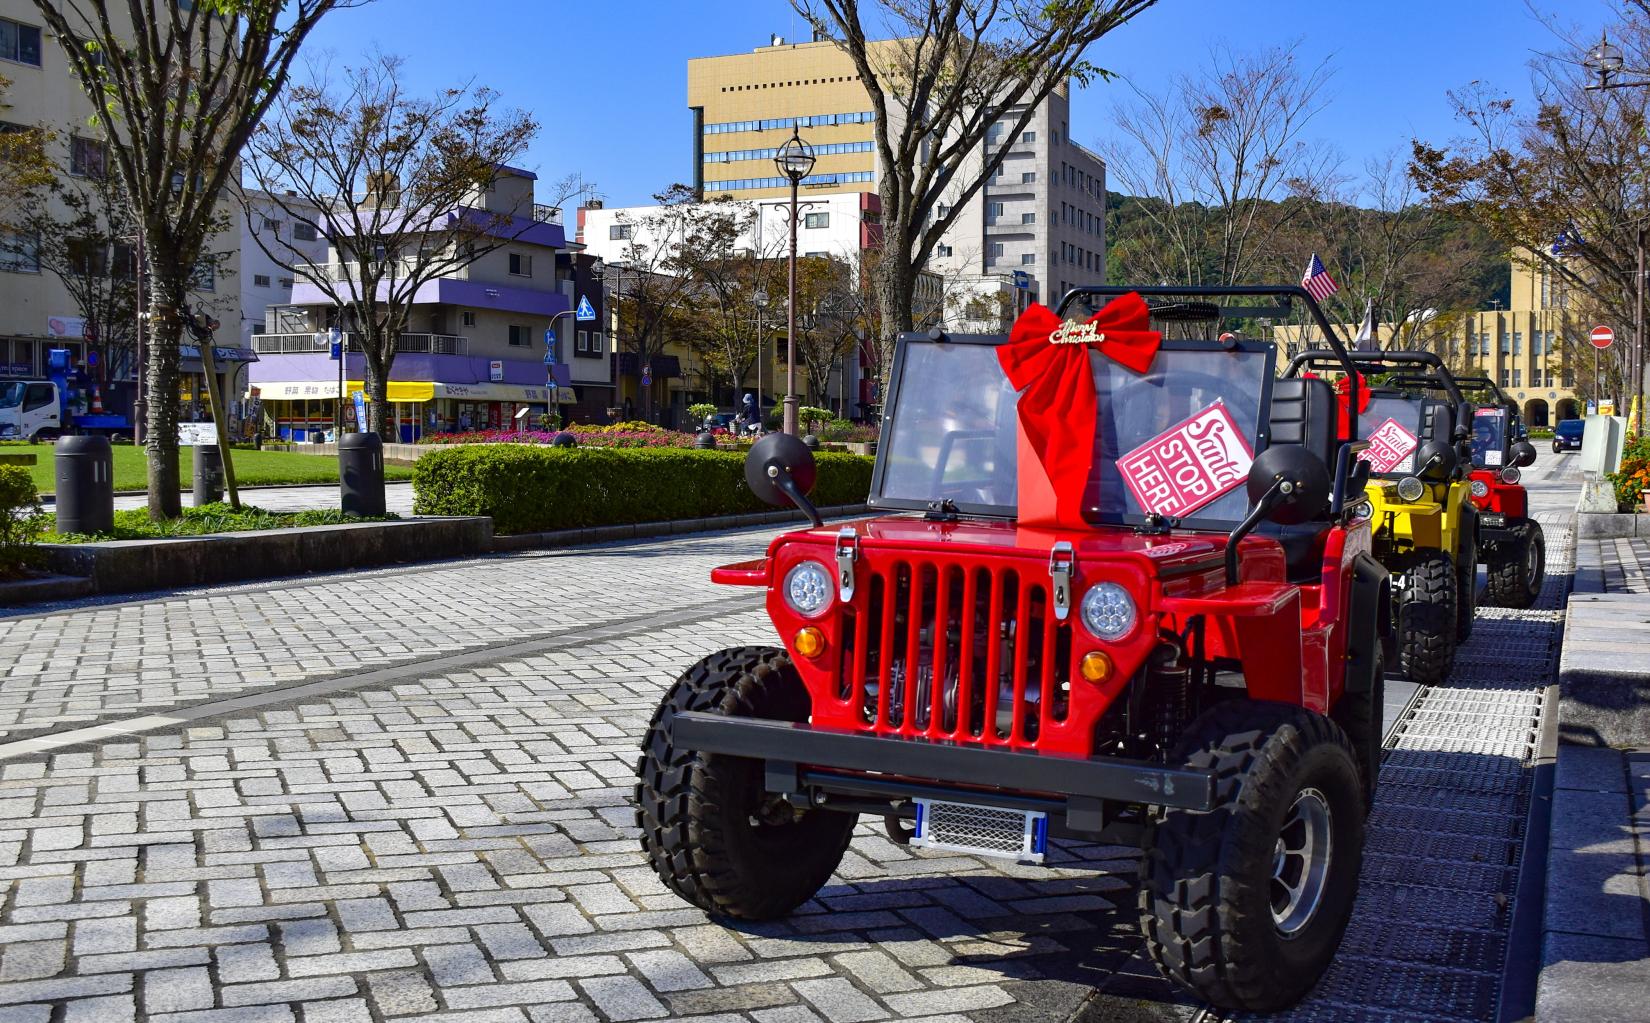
<point x="207" y="465"/>
<point x="85" y="485"/>
<point x="361" y="474"/>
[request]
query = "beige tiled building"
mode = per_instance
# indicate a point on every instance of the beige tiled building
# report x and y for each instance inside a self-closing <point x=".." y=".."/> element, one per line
<point x="1520" y="346"/>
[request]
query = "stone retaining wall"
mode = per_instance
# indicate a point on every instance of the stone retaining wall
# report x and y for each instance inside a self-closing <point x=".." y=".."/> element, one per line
<point x="132" y="566"/>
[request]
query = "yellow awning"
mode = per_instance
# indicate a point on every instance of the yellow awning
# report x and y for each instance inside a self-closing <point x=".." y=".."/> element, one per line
<point x="322" y="390"/>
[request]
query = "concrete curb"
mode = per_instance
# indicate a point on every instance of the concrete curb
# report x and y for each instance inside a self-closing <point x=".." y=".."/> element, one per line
<point x="44" y="589"/>
<point x="1606" y="526"/>
<point x="1604" y="670"/>
<point x="639" y="530"/>
<point x="134" y="566"/>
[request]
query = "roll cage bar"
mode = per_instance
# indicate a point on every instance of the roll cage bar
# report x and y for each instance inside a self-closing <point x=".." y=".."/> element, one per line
<point x="1283" y="294"/>
<point x="1439" y="377"/>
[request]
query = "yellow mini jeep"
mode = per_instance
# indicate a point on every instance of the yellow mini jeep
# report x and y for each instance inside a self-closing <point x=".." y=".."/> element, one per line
<point x="1419" y="498"/>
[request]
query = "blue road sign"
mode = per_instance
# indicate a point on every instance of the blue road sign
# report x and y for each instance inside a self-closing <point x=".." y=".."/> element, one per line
<point x="360" y="410"/>
<point x="550" y="357"/>
<point x="1022" y="280"/>
<point x="585" y="312"/>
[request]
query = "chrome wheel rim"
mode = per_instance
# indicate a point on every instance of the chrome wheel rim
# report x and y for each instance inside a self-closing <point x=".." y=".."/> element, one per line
<point x="1532" y="563"/>
<point x="1300" y="861"/>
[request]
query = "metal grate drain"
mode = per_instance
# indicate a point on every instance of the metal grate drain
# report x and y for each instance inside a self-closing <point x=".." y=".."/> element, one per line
<point x="1429" y="934"/>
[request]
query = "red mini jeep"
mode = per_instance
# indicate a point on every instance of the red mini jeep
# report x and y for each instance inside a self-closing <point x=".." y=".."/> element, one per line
<point x="1511" y="545"/>
<point x="1206" y="684"/>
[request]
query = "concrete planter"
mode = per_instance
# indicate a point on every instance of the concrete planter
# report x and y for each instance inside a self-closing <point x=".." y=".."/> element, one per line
<point x="1604" y="670"/>
<point x="1611" y="525"/>
<point x="133" y="566"/>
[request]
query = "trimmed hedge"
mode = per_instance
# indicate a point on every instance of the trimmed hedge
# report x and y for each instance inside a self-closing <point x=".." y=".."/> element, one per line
<point x="527" y="488"/>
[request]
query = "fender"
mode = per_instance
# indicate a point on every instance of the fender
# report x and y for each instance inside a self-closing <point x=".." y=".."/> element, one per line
<point x="1370" y="620"/>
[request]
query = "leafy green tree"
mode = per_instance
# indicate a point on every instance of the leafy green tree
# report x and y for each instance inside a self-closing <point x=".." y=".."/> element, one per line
<point x="179" y="88"/>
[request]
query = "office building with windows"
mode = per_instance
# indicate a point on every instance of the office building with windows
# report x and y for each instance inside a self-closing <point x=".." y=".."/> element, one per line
<point x="473" y="354"/>
<point x="1035" y="228"/>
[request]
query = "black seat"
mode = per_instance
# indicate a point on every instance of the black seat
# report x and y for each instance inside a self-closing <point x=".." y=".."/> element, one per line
<point x="1304" y="413"/>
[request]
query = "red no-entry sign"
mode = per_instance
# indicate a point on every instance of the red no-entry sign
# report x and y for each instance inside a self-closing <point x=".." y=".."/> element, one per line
<point x="1602" y="336"/>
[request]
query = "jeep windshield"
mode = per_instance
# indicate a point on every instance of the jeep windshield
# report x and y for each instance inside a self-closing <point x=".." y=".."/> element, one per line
<point x="1393" y="426"/>
<point x="950" y="432"/>
<point x="11" y="395"/>
<point x="1489" y="437"/>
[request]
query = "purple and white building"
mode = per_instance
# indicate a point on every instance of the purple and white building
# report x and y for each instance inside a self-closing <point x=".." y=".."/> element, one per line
<point x="474" y="351"/>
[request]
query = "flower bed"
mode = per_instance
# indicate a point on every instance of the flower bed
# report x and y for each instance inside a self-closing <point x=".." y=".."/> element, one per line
<point x="619" y="435"/>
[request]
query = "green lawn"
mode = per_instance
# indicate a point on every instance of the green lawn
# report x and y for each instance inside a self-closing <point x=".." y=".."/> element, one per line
<point x="251" y="467"/>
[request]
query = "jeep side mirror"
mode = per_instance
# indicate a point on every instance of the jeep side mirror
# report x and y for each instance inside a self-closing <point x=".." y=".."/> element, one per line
<point x="1523" y="453"/>
<point x="1292" y="482"/>
<point x="780" y="470"/>
<point x="1287" y="484"/>
<point x="1436" y="460"/>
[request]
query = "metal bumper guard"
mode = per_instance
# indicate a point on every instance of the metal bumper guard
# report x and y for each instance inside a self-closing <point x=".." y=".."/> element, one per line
<point x="1012" y="772"/>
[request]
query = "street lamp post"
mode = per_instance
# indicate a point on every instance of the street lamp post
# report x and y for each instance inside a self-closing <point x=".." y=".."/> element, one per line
<point x="761" y="300"/>
<point x="1605" y="61"/>
<point x="794" y="160"/>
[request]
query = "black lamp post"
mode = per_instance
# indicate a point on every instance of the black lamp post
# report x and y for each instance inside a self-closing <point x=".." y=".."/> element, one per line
<point x="1605" y="61"/>
<point x="794" y="160"/>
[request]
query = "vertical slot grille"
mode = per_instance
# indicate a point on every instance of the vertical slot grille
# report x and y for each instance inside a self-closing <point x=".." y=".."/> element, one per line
<point x="947" y="652"/>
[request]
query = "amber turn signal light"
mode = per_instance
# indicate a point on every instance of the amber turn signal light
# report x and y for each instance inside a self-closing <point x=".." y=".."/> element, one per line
<point x="1095" y="666"/>
<point x="809" y="641"/>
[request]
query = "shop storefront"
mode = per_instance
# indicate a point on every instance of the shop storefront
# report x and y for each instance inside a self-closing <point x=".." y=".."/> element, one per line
<point x="302" y="411"/>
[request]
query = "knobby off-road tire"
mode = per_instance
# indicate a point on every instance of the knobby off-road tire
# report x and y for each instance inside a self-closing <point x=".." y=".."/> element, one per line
<point x="1208" y="889"/>
<point x="1426" y="619"/>
<point x="1359" y="715"/>
<point x="711" y="833"/>
<point x="1466" y="595"/>
<point x="1518" y="569"/>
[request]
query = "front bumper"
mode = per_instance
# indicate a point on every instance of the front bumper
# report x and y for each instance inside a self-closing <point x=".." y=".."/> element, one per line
<point x="1495" y="528"/>
<point x="915" y="766"/>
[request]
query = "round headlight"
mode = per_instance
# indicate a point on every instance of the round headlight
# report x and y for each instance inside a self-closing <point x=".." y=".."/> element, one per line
<point x="1480" y="488"/>
<point x="1411" y="489"/>
<point x="1362" y="510"/>
<point x="808" y="588"/>
<point x="1510" y="474"/>
<point x="1108" y="611"/>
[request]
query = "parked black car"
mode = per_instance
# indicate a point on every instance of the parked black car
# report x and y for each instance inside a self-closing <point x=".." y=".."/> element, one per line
<point x="1567" y="435"/>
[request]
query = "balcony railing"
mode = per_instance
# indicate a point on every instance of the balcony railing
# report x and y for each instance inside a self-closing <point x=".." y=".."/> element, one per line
<point x="339" y="273"/>
<point x="411" y="344"/>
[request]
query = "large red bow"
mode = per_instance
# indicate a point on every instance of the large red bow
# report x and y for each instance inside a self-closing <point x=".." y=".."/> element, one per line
<point x="1049" y="359"/>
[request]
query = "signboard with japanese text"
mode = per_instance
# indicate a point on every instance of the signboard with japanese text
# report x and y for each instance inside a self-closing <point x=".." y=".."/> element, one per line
<point x="1391" y="448"/>
<point x="1188" y="465"/>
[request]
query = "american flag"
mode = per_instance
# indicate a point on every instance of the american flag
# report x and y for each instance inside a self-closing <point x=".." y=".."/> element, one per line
<point x="1317" y="281"/>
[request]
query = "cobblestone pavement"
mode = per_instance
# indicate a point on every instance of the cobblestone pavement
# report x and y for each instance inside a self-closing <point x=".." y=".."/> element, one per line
<point x="86" y="662"/>
<point x="398" y="498"/>
<point x="404" y="795"/>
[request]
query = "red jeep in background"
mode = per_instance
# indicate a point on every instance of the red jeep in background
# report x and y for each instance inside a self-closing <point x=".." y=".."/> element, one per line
<point x="1194" y="666"/>
<point x="1511" y="545"/>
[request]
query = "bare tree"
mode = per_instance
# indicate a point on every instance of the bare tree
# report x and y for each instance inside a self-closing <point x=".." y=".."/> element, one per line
<point x="646" y="284"/>
<point x="949" y="70"/>
<point x="827" y="327"/>
<point x="24" y="167"/>
<point x="179" y="88"/>
<point x="1215" y="156"/>
<point x="406" y="189"/>
<point x="724" y="276"/>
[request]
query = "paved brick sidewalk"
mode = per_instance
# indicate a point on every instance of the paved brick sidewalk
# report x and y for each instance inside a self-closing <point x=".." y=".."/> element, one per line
<point x="90" y="661"/>
<point x="461" y="847"/>
<point x="398" y="498"/>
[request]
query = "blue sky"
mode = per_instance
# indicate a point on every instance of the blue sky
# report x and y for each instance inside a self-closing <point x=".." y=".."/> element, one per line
<point x="607" y="80"/>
